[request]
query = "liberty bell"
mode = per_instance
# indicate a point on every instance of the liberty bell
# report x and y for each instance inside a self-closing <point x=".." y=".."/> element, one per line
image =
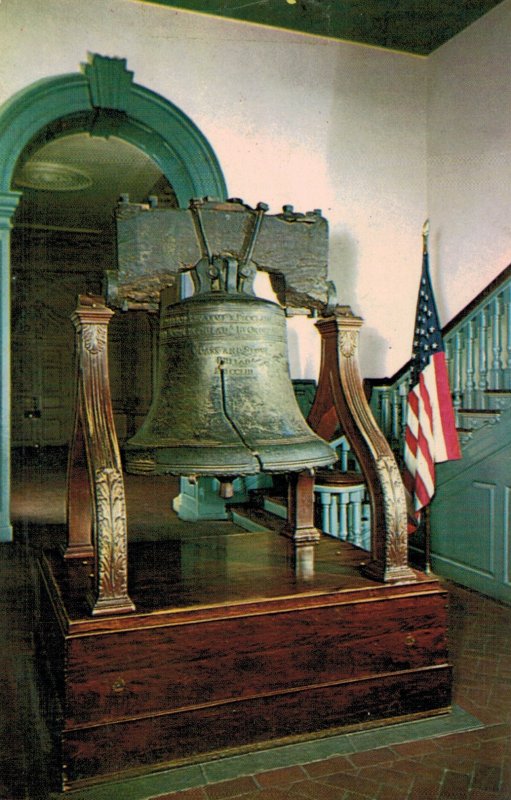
<point x="224" y="404"/>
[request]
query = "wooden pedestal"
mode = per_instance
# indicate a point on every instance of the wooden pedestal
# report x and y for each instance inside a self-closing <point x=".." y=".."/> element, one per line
<point x="166" y="685"/>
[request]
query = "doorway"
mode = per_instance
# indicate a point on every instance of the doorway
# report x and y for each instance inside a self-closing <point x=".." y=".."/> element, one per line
<point x="104" y="104"/>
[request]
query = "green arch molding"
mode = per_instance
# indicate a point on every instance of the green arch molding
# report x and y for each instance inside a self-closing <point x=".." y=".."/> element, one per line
<point x="105" y="91"/>
<point x="103" y="99"/>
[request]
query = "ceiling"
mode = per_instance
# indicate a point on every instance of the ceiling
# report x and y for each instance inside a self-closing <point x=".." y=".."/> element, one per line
<point x="412" y="26"/>
<point x="70" y="182"/>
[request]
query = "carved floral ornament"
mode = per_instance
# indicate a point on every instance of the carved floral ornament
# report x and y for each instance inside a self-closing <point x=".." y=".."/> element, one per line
<point x="111" y="520"/>
<point x="395" y="510"/>
<point x="94" y="338"/>
<point x="348" y="342"/>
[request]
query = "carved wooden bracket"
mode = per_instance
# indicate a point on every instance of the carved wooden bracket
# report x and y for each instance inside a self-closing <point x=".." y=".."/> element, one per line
<point x="341" y="402"/>
<point x="96" y="508"/>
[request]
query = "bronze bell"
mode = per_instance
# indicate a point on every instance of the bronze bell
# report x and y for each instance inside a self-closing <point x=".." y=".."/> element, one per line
<point x="224" y="404"/>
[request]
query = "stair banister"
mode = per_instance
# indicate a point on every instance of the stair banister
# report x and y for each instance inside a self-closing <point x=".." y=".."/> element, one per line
<point x="478" y="351"/>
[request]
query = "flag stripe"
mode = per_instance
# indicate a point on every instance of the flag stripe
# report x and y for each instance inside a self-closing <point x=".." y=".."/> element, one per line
<point x="452" y="445"/>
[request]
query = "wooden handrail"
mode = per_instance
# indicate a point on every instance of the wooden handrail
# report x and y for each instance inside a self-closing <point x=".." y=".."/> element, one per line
<point x="481" y="298"/>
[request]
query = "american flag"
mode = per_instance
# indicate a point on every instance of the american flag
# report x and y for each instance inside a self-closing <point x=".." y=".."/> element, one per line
<point x="431" y="435"/>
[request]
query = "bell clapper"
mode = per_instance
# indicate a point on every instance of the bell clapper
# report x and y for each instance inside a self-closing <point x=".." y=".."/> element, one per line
<point x="226" y="490"/>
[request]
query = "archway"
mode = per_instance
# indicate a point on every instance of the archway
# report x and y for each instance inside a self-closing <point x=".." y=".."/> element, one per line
<point x="103" y="100"/>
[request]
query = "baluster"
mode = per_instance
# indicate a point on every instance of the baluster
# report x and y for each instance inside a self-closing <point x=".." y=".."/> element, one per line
<point x="385" y="412"/>
<point x="496" y="374"/>
<point x="356" y="517"/>
<point x="366" y="522"/>
<point x="334" y="517"/>
<point x="345" y="448"/>
<point x="344" y="498"/>
<point x="448" y="359"/>
<point x="456" y="381"/>
<point x="483" y="359"/>
<point x="356" y="465"/>
<point x="325" y="498"/>
<point x="468" y="397"/>
<point x="403" y="393"/>
<point x="396" y="427"/>
<point x="507" y="306"/>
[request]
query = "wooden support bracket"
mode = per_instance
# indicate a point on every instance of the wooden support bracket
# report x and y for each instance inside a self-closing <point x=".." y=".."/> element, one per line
<point x="96" y="507"/>
<point x="300" y="509"/>
<point x="341" y="402"/>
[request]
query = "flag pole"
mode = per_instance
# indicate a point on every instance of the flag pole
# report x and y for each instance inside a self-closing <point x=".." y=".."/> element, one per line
<point x="427" y="541"/>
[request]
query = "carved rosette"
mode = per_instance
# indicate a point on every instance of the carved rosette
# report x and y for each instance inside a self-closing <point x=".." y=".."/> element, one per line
<point x="348" y="343"/>
<point x="94" y="338"/>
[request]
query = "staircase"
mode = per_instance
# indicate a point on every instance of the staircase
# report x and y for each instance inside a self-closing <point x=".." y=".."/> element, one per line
<point x="471" y="510"/>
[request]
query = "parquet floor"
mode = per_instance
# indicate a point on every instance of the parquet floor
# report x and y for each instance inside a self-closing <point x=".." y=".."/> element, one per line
<point x="474" y="765"/>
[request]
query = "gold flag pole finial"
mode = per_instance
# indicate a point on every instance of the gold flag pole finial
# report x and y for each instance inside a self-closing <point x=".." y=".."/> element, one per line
<point x="425" y="236"/>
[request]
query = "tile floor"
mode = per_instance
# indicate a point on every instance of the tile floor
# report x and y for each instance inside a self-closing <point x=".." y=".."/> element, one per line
<point x="431" y="763"/>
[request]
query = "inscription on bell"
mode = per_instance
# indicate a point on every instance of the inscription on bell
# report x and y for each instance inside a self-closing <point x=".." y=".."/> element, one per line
<point x="225" y="324"/>
<point x="226" y="318"/>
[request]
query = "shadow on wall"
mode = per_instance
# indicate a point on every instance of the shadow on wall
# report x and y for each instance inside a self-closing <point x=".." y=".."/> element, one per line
<point x="304" y="341"/>
<point x="342" y="270"/>
<point x="342" y="267"/>
<point x="374" y="352"/>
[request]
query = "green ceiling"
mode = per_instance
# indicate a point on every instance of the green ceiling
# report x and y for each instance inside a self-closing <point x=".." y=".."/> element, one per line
<point x="413" y="26"/>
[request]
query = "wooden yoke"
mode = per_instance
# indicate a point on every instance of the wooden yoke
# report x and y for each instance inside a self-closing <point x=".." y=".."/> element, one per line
<point x="96" y="509"/>
<point x="341" y="402"/>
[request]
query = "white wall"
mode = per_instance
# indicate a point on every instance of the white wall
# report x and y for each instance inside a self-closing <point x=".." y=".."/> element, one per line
<point x="469" y="141"/>
<point x="292" y="118"/>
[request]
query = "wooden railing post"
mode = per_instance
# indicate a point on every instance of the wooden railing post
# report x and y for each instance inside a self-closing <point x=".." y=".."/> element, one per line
<point x="496" y="366"/>
<point x="340" y="388"/>
<point x="470" y="366"/>
<point x="483" y="357"/>
<point x="507" y="306"/>
<point x="96" y="508"/>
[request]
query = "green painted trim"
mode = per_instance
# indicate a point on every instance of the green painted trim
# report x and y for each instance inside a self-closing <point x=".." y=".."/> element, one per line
<point x="138" y="115"/>
<point x="103" y="100"/>
<point x="8" y="204"/>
